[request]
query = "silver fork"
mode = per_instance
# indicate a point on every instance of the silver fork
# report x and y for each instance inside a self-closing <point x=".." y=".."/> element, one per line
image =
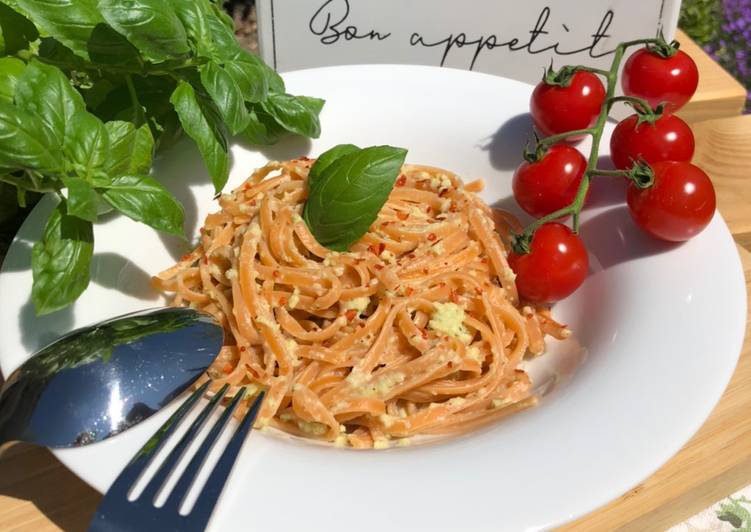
<point x="117" y="513"/>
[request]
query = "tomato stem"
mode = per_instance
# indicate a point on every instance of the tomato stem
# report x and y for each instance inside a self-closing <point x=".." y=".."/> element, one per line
<point x="552" y="139"/>
<point x="607" y="173"/>
<point x="596" y="131"/>
<point x="583" y="68"/>
<point x="640" y="104"/>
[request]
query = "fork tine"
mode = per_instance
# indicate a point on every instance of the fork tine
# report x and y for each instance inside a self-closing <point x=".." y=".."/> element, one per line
<point x="166" y="467"/>
<point x="141" y="461"/>
<point x="206" y="501"/>
<point x="177" y="496"/>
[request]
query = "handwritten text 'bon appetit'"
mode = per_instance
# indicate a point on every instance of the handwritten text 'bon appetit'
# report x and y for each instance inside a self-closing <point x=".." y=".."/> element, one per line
<point x="330" y="23"/>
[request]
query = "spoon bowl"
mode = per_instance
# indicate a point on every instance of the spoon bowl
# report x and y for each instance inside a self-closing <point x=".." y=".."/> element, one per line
<point x="100" y="380"/>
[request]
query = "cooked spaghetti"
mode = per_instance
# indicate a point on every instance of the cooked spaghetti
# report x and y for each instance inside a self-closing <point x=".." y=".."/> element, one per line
<point x="417" y="329"/>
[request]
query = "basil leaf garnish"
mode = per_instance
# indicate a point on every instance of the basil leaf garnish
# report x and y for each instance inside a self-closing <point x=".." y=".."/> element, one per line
<point x="349" y="192"/>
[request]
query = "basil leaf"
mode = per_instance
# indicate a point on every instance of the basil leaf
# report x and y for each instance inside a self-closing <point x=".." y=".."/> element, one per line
<point x="151" y="25"/>
<point x="298" y="114"/>
<point x="250" y="79"/>
<point x="226" y="94"/>
<point x="145" y="200"/>
<point x="11" y="70"/>
<point x="70" y="21"/>
<point x="82" y="199"/>
<point x="130" y="148"/>
<point x="195" y="15"/>
<point x="108" y="47"/>
<point x="222" y="15"/>
<point x="60" y="261"/>
<point x="262" y="128"/>
<point x="25" y="142"/>
<point x="324" y="161"/>
<point x="45" y="91"/>
<point x="202" y="127"/>
<point x="16" y="31"/>
<point x="274" y="81"/>
<point x="350" y="193"/>
<point x="87" y="144"/>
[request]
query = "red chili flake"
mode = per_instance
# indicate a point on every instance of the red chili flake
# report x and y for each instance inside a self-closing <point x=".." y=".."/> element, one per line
<point x="351" y="314"/>
<point x="424" y="334"/>
<point x="401" y="181"/>
<point x="361" y="325"/>
<point x="432" y="237"/>
<point x="441" y="284"/>
<point x="381" y="247"/>
<point x="326" y="343"/>
<point x="359" y="260"/>
<point x="478" y="291"/>
<point x="425" y="271"/>
<point x="373" y="248"/>
<point x="484" y="260"/>
<point x="450" y="364"/>
<point x="454" y="297"/>
<point x="303" y="158"/>
<point x="402" y="215"/>
<point x="246" y="186"/>
<point x="185" y="257"/>
<point x="282" y="301"/>
<point x="252" y="203"/>
<point x="443" y="193"/>
<point x="378" y="267"/>
<point x="242" y="348"/>
<point x="205" y="260"/>
<point x="429" y="209"/>
<point x="384" y="224"/>
<point x="453" y="207"/>
<point x="227" y="368"/>
<point x="410" y="291"/>
<point x="275" y="274"/>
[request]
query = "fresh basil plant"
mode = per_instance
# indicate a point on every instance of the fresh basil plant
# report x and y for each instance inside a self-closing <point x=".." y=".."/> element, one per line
<point x="90" y="88"/>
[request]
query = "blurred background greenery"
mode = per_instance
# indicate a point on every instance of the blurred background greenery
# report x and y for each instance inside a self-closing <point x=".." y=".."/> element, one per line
<point x="700" y="19"/>
<point x="722" y="27"/>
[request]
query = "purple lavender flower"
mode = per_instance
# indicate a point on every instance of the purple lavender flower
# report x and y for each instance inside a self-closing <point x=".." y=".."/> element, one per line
<point x="731" y="49"/>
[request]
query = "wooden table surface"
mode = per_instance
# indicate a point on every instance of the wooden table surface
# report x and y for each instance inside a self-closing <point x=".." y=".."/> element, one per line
<point x="37" y="493"/>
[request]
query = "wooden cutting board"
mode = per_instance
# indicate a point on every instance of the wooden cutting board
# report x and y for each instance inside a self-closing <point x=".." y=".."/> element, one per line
<point x="37" y="493"/>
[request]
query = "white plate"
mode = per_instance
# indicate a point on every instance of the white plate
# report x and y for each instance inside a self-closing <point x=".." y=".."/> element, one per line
<point x="661" y="324"/>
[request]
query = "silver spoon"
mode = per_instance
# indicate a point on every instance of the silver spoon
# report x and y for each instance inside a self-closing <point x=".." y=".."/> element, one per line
<point x="98" y="381"/>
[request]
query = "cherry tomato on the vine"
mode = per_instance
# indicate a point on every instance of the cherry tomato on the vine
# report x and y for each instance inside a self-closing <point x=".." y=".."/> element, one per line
<point x="679" y="204"/>
<point x="557" y="109"/>
<point x="554" y="268"/>
<point x="668" y="139"/>
<point x="658" y="79"/>
<point x="551" y="183"/>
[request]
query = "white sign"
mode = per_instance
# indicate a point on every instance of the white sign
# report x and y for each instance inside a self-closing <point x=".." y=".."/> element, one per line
<point x="512" y="38"/>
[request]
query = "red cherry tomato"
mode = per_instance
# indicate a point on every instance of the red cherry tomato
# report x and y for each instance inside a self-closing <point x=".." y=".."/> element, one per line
<point x="554" y="268"/>
<point x="672" y="80"/>
<point x="551" y="183"/>
<point x="558" y="109"/>
<point x="679" y="204"/>
<point x="668" y="139"/>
